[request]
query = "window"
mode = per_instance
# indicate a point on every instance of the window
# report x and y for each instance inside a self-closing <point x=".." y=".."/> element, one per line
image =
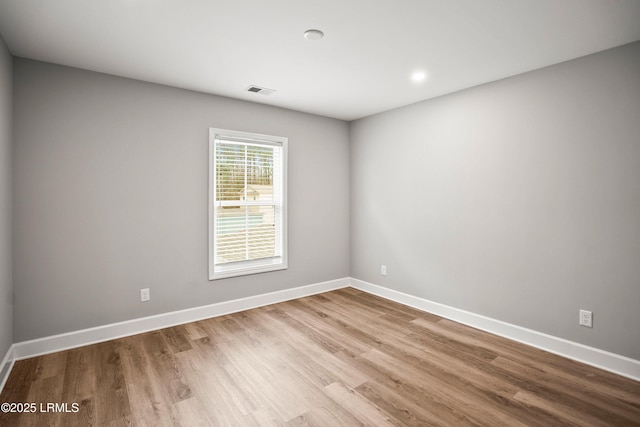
<point x="247" y="203"/>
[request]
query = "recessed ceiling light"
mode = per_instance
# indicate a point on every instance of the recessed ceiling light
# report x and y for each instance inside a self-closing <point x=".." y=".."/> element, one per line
<point x="313" y="34"/>
<point x="418" y="76"/>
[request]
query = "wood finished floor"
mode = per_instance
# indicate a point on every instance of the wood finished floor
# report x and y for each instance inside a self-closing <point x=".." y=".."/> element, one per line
<point x="340" y="358"/>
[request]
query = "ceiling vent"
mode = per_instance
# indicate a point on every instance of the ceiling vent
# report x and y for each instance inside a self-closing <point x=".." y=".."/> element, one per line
<point x="260" y="90"/>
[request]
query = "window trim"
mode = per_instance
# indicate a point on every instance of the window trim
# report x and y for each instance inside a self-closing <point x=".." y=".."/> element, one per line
<point x="242" y="268"/>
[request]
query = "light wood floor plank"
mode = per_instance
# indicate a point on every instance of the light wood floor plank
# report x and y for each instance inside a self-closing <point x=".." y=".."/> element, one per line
<point x="147" y="393"/>
<point x="111" y="398"/>
<point x="340" y="358"/>
<point x="361" y="408"/>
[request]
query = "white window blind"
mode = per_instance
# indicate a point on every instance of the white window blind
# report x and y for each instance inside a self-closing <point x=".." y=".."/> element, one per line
<point x="247" y="203"/>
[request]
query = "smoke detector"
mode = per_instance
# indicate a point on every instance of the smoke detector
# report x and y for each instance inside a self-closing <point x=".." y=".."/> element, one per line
<point x="260" y="90"/>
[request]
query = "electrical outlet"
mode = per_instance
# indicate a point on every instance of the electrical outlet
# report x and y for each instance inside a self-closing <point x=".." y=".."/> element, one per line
<point x="383" y="270"/>
<point x="586" y="318"/>
<point x="145" y="295"/>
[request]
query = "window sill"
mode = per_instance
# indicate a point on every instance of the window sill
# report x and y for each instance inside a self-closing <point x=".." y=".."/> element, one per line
<point x="246" y="268"/>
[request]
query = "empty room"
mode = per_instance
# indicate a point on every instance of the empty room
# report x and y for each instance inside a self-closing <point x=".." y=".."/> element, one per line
<point x="286" y="213"/>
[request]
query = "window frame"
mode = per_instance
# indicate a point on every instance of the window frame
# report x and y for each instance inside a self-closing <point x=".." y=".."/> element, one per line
<point x="241" y="268"/>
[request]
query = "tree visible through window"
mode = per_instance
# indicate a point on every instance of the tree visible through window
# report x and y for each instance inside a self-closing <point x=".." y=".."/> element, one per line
<point x="247" y="209"/>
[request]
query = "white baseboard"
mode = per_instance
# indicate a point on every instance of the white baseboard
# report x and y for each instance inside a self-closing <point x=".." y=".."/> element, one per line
<point x="40" y="346"/>
<point x="5" y="367"/>
<point x="592" y="356"/>
<point x="611" y="362"/>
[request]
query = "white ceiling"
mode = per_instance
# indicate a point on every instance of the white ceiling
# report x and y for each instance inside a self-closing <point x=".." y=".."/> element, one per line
<point x="361" y="67"/>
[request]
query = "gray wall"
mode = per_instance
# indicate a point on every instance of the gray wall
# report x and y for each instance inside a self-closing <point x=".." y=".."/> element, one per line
<point x="111" y="196"/>
<point x="518" y="200"/>
<point x="6" y="280"/>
